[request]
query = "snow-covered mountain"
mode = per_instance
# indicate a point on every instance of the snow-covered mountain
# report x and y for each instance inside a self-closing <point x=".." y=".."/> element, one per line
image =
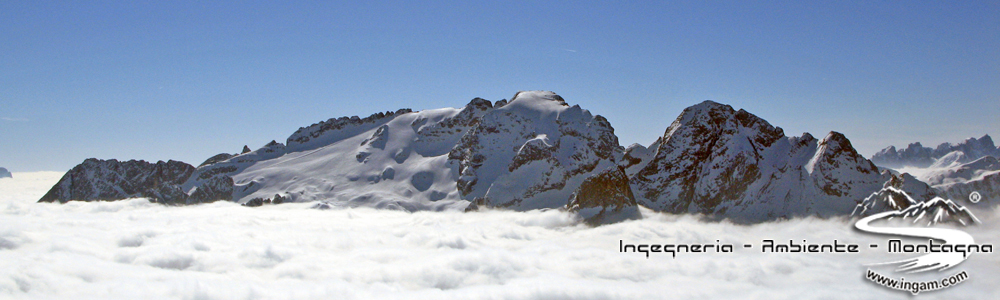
<point x="719" y="161"/>
<point x="5" y="174"/>
<point x="394" y="160"/>
<point x="945" y="155"/>
<point x="952" y="171"/>
<point x="532" y="153"/>
<point x="535" y="151"/>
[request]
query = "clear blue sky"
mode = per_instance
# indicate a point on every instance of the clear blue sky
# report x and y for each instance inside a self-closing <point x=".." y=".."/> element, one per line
<point x="159" y="80"/>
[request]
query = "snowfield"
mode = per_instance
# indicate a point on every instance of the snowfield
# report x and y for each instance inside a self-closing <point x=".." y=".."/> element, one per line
<point x="134" y="249"/>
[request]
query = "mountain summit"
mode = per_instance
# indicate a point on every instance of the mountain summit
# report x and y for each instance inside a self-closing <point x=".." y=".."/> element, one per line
<point x="719" y="161"/>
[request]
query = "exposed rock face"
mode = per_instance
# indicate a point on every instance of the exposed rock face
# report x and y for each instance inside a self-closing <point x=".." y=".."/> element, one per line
<point x="448" y="131"/>
<point x="532" y="152"/>
<point x="213" y="189"/>
<point x="113" y="180"/>
<point x="5" y="174"/>
<point x="836" y="165"/>
<point x="277" y="199"/>
<point x="722" y="162"/>
<point x="708" y="155"/>
<point x="332" y="130"/>
<point x="605" y="197"/>
<point x="215" y="159"/>
<point x="916" y="155"/>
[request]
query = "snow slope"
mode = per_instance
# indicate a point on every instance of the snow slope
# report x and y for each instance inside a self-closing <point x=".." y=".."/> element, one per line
<point x="388" y="160"/>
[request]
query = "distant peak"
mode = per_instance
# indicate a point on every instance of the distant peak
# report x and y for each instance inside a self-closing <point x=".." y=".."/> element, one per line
<point x="480" y="103"/>
<point x="709" y="105"/>
<point x="987" y="141"/>
<point x="836" y="137"/>
<point x="500" y="103"/>
<point x="836" y="142"/>
<point x="538" y="96"/>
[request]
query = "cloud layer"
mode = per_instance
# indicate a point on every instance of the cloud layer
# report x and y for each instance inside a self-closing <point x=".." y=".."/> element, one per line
<point x="134" y="249"/>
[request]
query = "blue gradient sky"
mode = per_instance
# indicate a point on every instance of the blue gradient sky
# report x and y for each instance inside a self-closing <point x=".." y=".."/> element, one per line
<point x="185" y="80"/>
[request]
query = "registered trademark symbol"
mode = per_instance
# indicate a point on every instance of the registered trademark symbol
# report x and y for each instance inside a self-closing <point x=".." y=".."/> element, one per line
<point x="975" y="197"/>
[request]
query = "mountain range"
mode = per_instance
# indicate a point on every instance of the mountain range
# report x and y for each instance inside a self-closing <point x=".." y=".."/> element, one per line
<point x="535" y="151"/>
<point x="944" y="155"/>
<point x="954" y="171"/>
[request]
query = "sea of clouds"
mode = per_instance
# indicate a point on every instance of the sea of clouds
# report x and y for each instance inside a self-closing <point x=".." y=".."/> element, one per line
<point x="133" y="249"/>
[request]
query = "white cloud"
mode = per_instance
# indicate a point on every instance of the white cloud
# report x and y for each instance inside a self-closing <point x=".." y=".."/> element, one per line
<point x="133" y="249"/>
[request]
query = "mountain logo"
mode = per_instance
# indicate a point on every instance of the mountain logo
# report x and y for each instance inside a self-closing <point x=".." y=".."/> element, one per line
<point x="945" y="247"/>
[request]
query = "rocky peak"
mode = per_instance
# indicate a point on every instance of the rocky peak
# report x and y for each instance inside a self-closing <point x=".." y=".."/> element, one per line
<point x="480" y="104"/>
<point x="803" y="141"/>
<point x="836" y="160"/>
<point x="500" y="103"/>
<point x="724" y="162"/>
<point x="532" y="152"/>
<point x="709" y="144"/>
<point x="216" y="158"/>
<point x="972" y="147"/>
<point x="96" y="179"/>
<point x="634" y="155"/>
<point x="835" y="149"/>
<point x="5" y="174"/>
